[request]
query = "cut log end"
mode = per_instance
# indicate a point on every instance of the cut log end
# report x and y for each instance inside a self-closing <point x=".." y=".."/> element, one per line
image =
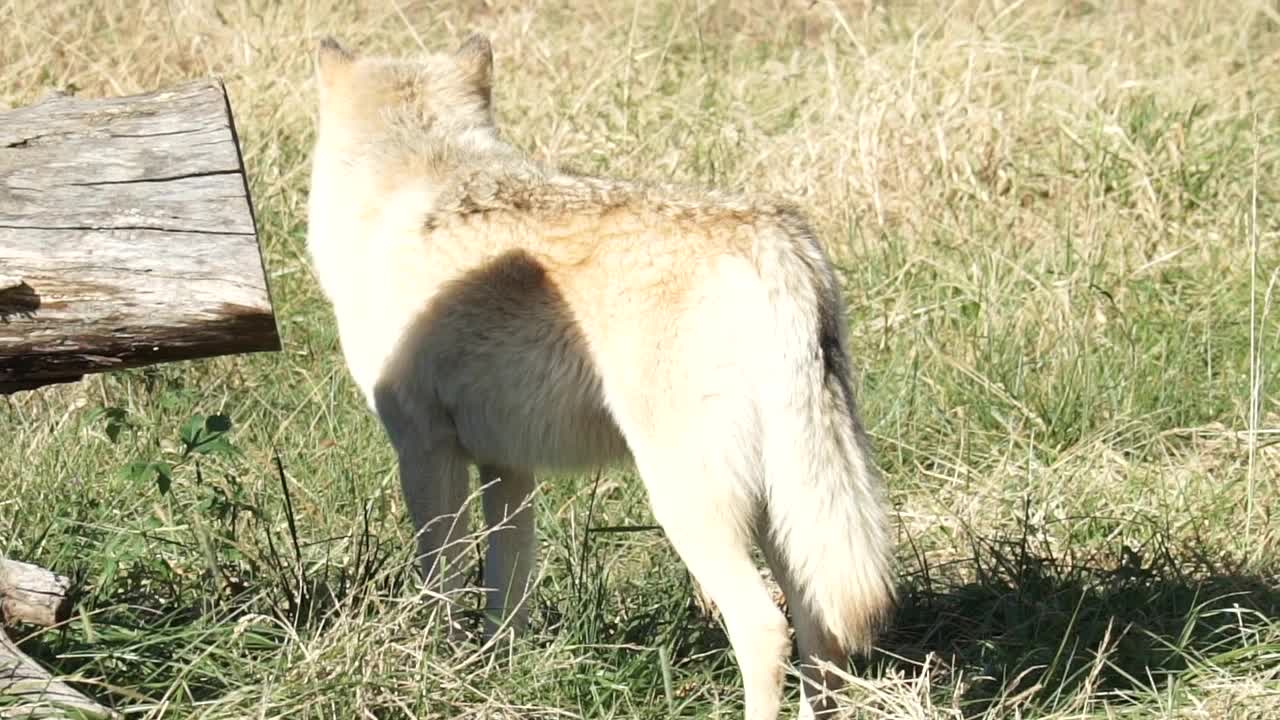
<point x="31" y="594"/>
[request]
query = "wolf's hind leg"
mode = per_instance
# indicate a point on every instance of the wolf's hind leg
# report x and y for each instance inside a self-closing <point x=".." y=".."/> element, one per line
<point x="701" y="495"/>
<point x="813" y="642"/>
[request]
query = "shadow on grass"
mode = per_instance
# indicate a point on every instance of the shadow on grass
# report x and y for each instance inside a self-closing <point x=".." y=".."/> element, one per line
<point x="1029" y="622"/>
<point x="1019" y="618"/>
<point x="1016" y="616"/>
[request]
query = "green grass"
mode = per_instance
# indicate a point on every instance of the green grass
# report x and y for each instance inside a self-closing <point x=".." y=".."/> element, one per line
<point x="1058" y="232"/>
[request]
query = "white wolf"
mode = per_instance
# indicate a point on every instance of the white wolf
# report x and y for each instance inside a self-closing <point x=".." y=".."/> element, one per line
<point x="500" y="313"/>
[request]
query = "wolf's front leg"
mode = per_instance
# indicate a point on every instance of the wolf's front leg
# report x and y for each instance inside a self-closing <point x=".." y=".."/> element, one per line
<point x="509" y="562"/>
<point x="434" y="482"/>
<point x="434" y="479"/>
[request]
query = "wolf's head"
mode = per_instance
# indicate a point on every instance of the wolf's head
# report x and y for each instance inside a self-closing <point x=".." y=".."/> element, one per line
<point x="446" y="95"/>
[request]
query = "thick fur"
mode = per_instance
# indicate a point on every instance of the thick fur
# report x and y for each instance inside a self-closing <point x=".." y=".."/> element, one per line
<point x="502" y="314"/>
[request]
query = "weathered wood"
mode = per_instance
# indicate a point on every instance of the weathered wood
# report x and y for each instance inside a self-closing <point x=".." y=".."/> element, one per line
<point x="127" y="236"/>
<point x="31" y="594"/>
<point x="27" y="691"/>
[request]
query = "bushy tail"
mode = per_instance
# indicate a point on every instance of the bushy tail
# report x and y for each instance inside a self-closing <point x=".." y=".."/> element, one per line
<point x="827" y="518"/>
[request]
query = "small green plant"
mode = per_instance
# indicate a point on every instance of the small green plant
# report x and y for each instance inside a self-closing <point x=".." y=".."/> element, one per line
<point x="199" y="435"/>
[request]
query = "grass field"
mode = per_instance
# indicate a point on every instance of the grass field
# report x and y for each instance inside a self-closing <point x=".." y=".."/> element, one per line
<point x="1057" y="227"/>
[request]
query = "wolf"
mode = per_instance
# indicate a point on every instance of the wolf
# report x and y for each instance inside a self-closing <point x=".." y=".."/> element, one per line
<point x="499" y="313"/>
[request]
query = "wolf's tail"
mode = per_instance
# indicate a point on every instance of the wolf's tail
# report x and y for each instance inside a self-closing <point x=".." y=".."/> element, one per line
<point x="828" y="525"/>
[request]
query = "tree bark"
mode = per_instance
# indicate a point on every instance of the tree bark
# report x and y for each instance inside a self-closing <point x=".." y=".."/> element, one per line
<point x="127" y="236"/>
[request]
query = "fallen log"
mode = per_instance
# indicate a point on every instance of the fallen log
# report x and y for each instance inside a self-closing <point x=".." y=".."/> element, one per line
<point x="31" y="594"/>
<point x="127" y="236"/>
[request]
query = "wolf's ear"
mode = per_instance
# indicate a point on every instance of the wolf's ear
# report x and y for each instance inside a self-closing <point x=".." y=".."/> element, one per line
<point x="333" y="62"/>
<point x="475" y="59"/>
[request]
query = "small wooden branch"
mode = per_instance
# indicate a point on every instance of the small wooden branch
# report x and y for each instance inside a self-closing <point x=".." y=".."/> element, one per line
<point x="127" y="236"/>
<point x="34" y="595"/>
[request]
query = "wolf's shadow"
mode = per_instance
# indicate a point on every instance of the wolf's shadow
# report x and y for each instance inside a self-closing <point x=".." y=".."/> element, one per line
<point x="1027" y="620"/>
<point x="1011" y="617"/>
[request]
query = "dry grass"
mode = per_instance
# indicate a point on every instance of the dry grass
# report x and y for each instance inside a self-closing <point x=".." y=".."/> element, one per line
<point x="1058" y="231"/>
